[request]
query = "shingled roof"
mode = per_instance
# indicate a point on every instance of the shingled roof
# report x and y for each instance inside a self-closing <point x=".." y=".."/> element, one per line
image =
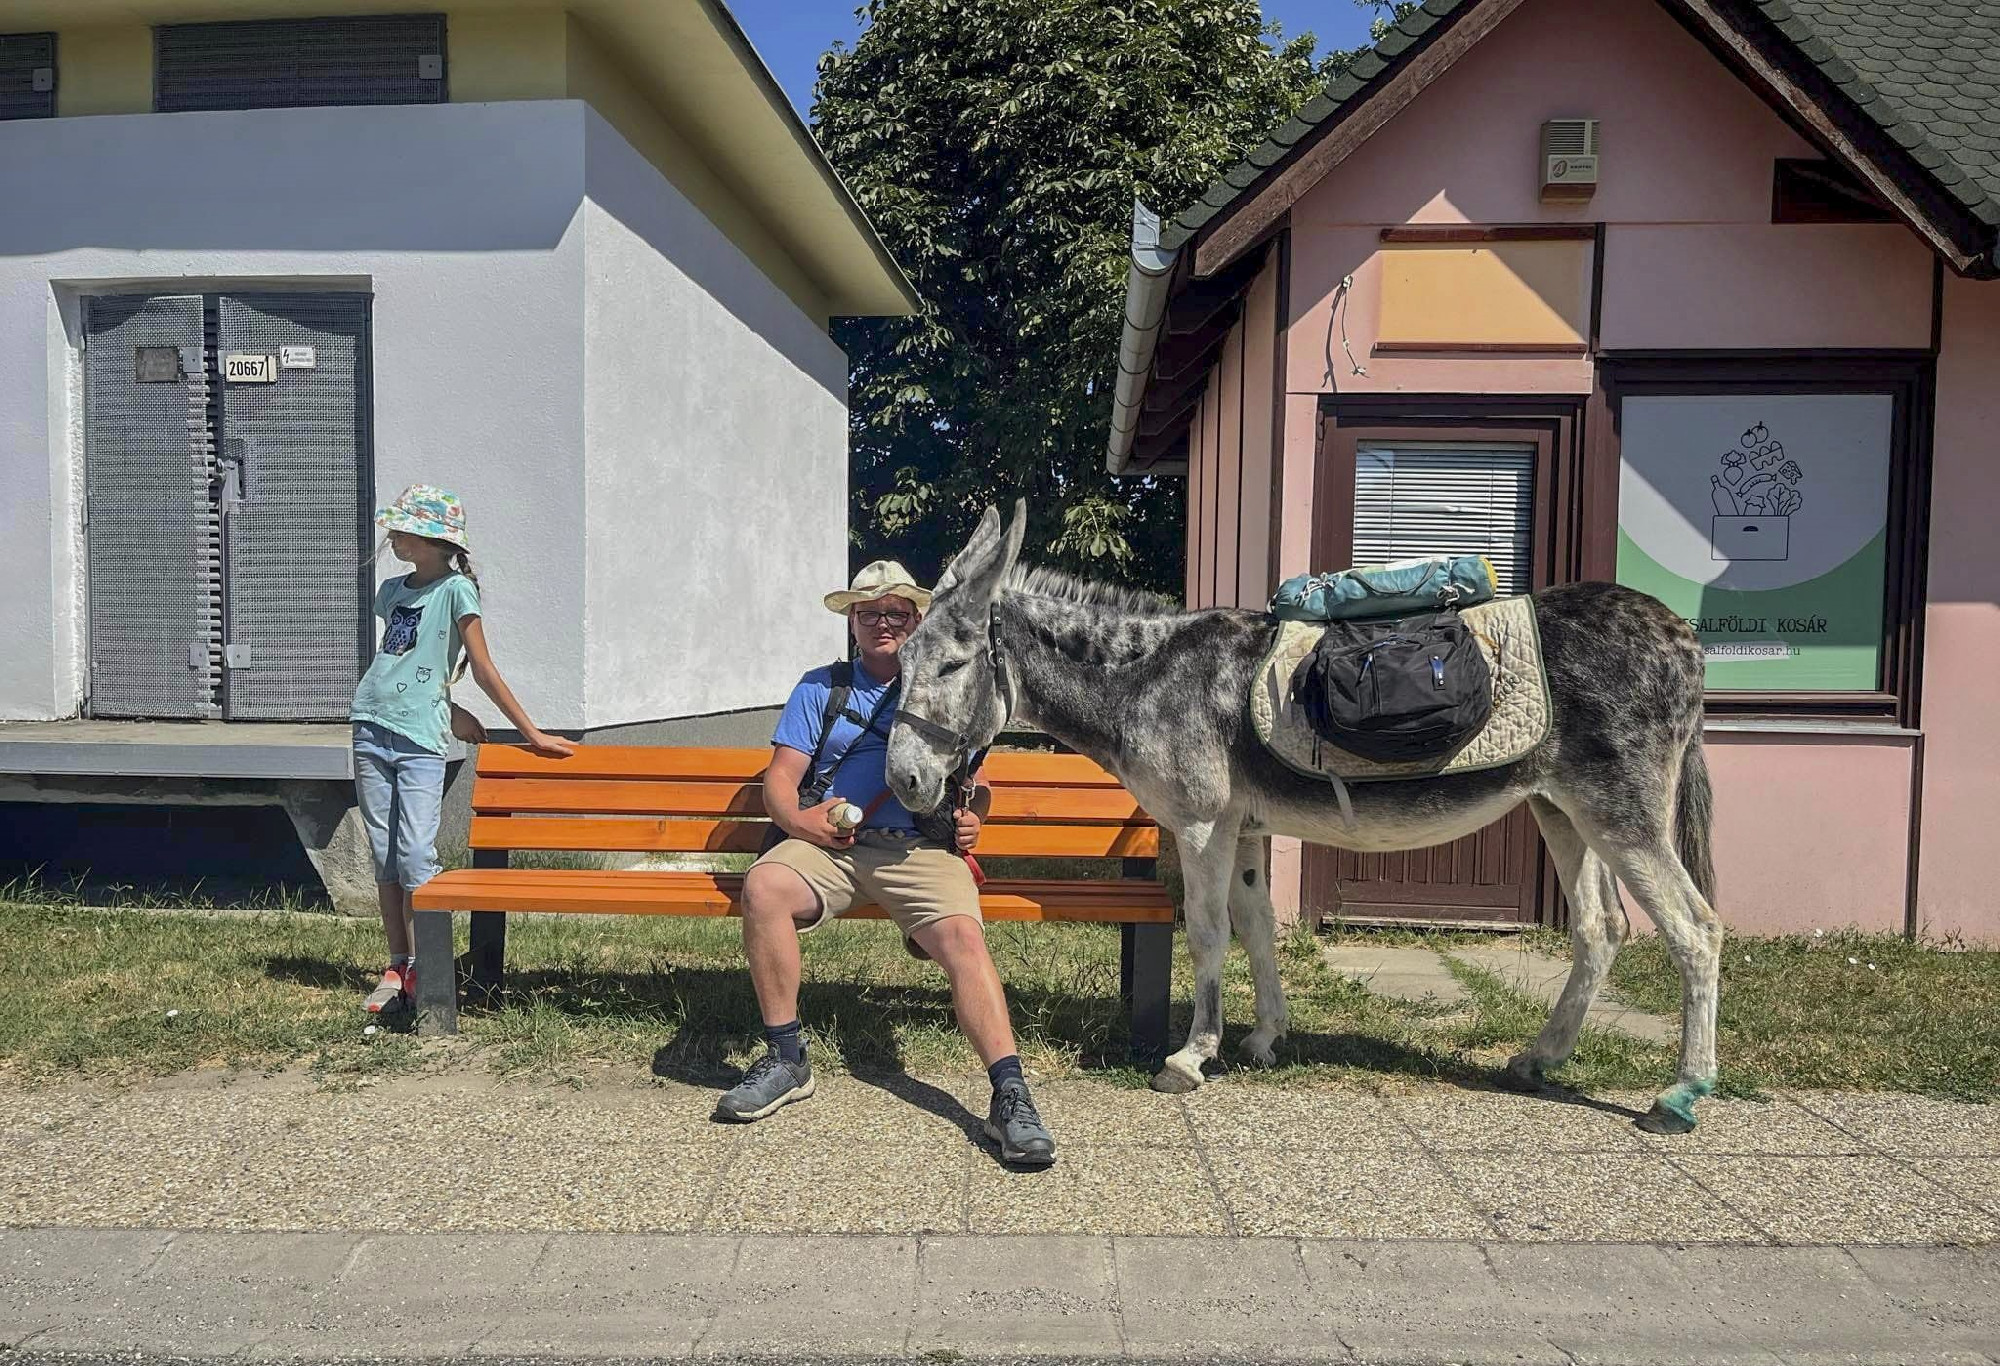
<point x="1346" y="91"/>
<point x="1925" y="72"/>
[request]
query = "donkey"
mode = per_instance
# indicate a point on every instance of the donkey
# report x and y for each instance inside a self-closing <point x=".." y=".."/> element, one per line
<point x="1157" y="695"/>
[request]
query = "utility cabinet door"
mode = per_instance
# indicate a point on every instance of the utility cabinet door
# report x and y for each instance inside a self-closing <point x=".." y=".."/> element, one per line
<point x="153" y="543"/>
<point x="294" y="461"/>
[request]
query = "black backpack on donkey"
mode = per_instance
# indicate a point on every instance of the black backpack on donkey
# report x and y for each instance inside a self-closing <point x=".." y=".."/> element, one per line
<point x="1407" y="690"/>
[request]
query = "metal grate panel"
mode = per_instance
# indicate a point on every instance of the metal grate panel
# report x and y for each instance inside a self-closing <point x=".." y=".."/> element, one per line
<point x="296" y="531"/>
<point x="27" y="75"/>
<point x="154" y="540"/>
<point x="293" y="63"/>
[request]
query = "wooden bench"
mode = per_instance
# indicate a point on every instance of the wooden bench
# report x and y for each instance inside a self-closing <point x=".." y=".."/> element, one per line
<point x="671" y="800"/>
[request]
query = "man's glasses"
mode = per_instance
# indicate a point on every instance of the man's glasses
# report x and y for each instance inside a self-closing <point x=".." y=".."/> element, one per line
<point x="869" y="617"/>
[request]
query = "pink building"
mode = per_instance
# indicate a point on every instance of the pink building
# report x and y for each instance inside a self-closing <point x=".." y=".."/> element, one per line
<point x="1695" y="294"/>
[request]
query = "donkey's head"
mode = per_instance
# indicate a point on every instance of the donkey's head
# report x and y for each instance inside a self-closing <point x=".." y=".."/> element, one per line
<point x="953" y="701"/>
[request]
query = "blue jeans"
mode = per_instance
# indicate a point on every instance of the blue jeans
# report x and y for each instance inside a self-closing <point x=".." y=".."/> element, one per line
<point x="401" y="786"/>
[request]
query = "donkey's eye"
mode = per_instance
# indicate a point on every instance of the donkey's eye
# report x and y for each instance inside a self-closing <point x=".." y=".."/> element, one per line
<point x="950" y="666"/>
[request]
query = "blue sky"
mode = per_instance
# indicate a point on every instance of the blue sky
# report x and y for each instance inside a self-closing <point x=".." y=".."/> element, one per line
<point x="790" y="34"/>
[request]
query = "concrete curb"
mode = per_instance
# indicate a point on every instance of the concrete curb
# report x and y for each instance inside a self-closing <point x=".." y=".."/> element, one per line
<point x="310" y="1296"/>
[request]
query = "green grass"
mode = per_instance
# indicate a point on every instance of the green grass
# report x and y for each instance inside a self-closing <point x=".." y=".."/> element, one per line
<point x="123" y="994"/>
<point x="1868" y="1012"/>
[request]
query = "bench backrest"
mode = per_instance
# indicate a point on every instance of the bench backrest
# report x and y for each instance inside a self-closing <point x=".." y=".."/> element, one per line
<point x="628" y="799"/>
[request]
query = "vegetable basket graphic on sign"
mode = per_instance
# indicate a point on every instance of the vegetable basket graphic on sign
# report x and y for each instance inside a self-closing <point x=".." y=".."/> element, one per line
<point x="1755" y="496"/>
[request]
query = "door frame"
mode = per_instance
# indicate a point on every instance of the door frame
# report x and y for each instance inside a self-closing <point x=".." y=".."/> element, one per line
<point x="1555" y="425"/>
<point x="210" y="289"/>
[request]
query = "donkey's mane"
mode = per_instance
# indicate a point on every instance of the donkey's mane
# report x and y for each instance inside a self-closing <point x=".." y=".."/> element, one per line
<point x="1039" y="582"/>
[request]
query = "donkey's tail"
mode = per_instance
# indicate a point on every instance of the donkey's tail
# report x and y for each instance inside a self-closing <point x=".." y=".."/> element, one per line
<point x="1694" y="812"/>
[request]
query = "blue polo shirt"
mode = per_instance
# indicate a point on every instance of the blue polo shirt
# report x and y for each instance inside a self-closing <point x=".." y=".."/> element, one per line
<point x="861" y="776"/>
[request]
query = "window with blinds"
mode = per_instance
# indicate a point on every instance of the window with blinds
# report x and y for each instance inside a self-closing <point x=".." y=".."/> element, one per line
<point x="27" y="75"/>
<point x="294" y="63"/>
<point x="1438" y="498"/>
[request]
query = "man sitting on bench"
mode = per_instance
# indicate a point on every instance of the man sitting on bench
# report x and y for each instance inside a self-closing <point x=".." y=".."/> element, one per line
<point x="829" y="752"/>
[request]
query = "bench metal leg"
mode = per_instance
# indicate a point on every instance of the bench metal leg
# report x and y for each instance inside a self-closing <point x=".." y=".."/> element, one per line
<point x="489" y="951"/>
<point x="489" y="934"/>
<point x="1145" y="981"/>
<point x="437" y="974"/>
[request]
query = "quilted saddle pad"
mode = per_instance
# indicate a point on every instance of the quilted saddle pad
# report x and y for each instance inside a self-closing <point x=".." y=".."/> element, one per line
<point x="1506" y="631"/>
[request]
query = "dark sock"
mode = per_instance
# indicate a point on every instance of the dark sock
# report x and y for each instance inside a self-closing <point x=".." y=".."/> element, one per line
<point x="1007" y="1069"/>
<point x="787" y="1041"/>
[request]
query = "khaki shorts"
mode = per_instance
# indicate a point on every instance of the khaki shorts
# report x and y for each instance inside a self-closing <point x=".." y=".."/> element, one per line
<point x="915" y="884"/>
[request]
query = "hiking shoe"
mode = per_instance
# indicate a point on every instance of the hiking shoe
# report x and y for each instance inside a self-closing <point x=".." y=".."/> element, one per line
<point x="769" y="1086"/>
<point x="397" y="991"/>
<point x="1015" y="1125"/>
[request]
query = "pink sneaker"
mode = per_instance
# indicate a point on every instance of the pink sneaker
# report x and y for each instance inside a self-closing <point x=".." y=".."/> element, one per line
<point x="396" y="991"/>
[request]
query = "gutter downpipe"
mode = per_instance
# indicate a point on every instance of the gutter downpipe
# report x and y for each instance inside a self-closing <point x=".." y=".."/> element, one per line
<point x="1146" y="284"/>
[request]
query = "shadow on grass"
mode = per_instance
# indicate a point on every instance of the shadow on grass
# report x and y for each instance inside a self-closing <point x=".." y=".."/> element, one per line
<point x="710" y="1014"/>
<point x="319" y="973"/>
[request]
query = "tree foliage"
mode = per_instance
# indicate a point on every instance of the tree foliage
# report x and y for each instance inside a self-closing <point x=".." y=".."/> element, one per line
<point x="997" y="145"/>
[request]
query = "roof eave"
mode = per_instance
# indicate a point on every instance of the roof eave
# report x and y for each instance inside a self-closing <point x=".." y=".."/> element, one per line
<point x="1148" y="284"/>
<point x="1803" y="91"/>
<point x="863" y="302"/>
<point x="1232" y="218"/>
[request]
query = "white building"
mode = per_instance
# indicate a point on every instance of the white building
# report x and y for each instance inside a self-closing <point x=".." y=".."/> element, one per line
<point x="265" y="262"/>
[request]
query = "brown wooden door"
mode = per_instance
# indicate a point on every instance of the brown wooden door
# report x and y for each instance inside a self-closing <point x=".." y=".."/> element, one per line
<point x="1496" y="875"/>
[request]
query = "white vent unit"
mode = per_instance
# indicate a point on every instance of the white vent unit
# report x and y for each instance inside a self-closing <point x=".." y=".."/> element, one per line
<point x="1569" y="160"/>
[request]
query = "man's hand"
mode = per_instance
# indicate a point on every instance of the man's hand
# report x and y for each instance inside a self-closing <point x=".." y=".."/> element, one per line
<point x="968" y="830"/>
<point x="466" y="726"/>
<point x="814" y="825"/>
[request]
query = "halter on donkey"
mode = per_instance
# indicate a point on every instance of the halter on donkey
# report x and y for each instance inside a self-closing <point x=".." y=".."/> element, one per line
<point x="1157" y="695"/>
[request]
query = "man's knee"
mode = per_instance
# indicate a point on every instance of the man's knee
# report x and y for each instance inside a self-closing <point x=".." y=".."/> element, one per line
<point x="774" y="892"/>
<point x="954" y="941"/>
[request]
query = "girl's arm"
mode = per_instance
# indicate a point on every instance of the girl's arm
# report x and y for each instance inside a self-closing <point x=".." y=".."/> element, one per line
<point x="473" y="632"/>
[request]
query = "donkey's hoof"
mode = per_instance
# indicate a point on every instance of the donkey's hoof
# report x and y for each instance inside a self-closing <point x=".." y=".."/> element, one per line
<point x="1176" y="1078"/>
<point x="1673" y="1110"/>
<point x="1258" y="1053"/>
<point x="1661" y="1120"/>
<point x="1523" y="1074"/>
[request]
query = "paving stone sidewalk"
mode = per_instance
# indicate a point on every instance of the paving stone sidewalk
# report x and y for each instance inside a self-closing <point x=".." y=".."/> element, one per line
<point x="901" y="1155"/>
<point x="460" y="1216"/>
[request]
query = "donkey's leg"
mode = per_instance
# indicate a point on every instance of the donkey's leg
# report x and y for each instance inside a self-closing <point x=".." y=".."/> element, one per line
<point x="1597" y="929"/>
<point x="1255" y="921"/>
<point x="1207" y="854"/>
<point x="1693" y="931"/>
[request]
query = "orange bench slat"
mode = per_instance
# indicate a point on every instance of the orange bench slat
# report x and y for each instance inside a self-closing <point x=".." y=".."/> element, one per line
<point x="696" y="764"/>
<point x="623" y="797"/>
<point x="588" y="892"/>
<point x="665" y="835"/>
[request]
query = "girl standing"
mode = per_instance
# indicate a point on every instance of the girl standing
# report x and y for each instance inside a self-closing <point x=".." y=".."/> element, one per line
<point x="403" y="711"/>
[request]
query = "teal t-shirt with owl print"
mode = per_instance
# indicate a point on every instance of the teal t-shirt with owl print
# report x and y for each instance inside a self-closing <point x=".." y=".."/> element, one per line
<point x="404" y="689"/>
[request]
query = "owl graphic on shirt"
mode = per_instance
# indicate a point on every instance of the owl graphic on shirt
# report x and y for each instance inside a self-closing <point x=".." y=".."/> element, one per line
<point x="401" y="636"/>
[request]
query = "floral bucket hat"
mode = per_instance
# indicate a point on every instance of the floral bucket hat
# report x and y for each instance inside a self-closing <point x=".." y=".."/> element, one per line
<point x="426" y="510"/>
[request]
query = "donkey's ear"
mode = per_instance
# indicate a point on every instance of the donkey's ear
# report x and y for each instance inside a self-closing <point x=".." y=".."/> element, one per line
<point x="986" y="558"/>
<point x="968" y="561"/>
<point x="1017" y="531"/>
<point x="986" y="534"/>
<point x="973" y="561"/>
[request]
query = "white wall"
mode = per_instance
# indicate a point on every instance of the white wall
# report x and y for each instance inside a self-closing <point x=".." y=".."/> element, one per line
<point x="716" y="448"/>
<point x="462" y="220"/>
<point x="650" y="437"/>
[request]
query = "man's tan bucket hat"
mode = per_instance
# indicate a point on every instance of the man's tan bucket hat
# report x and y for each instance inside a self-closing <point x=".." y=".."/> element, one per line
<point x="882" y="579"/>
